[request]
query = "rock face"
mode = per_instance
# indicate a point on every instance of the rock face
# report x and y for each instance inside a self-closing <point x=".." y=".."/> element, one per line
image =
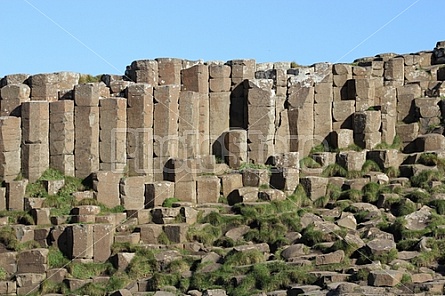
<point x="181" y="170"/>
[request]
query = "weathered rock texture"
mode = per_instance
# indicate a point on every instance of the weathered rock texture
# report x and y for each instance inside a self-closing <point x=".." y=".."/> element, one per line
<point x="202" y="132"/>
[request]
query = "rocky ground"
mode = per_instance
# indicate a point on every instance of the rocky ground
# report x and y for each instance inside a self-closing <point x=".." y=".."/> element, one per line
<point x="373" y="231"/>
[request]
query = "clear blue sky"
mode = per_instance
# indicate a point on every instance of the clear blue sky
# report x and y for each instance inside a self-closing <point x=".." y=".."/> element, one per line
<point x="98" y="36"/>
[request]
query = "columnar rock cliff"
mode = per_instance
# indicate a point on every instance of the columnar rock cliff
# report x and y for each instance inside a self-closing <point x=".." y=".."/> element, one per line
<point x="206" y="132"/>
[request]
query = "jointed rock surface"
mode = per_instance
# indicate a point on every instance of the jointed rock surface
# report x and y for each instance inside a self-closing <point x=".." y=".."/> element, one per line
<point x="226" y="178"/>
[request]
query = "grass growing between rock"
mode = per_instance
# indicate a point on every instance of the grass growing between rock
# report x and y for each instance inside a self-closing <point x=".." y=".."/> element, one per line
<point x="56" y="259"/>
<point x="424" y="178"/>
<point x="168" y="202"/>
<point x="370" y="166"/>
<point x="309" y="162"/>
<point x="334" y="170"/>
<point x="89" y="270"/>
<point x="9" y="240"/>
<point x="261" y="277"/>
<point x="63" y="201"/>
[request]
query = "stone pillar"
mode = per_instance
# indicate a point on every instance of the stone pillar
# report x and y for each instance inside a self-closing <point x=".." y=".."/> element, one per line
<point x="15" y="195"/>
<point x="140" y="130"/>
<point x="220" y="80"/>
<point x="301" y="115"/>
<point x="44" y="87"/>
<point x="169" y="71"/>
<point x="394" y="71"/>
<point x="35" y="139"/>
<point x="367" y="129"/>
<point x="405" y="98"/>
<point x="106" y="187"/>
<point x="132" y="192"/>
<point x="208" y="189"/>
<point x="82" y="237"/>
<point x="86" y="123"/>
<point x="261" y="120"/>
<point x="322" y="111"/>
<point x="235" y="152"/>
<point x="61" y="136"/>
<point x="144" y="71"/>
<point x="342" y="112"/>
<point x="10" y="153"/>
<point x="165" y="125"/>
<point x="196" y="79"/>
<point x="113" y="134"/>
<point x="12" y="97"/>
<point x="157" y="192"/>
<point x="219" y="118"/>
<point x="282" y="133"/>
<point x="204" y="125"/>
<point x="188" y="126"/>
<point x="365" y="93"/>
<point x="103" y="235"/>
<point x="241" y="70"/>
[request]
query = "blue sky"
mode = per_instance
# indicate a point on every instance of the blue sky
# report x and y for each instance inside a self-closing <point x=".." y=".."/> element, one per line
<point x="103" y="36"/>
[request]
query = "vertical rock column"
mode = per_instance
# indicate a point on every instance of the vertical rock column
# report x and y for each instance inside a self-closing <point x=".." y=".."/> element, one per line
<point x="144" y="71"/>
<point x="261" y="120"/>
<point x="388" y="102"/>
<point x="196" y="79"/>
<point x="140" y="130"/>
<point x="282" y="139"/>
<point x="44" y="87"/>
<point x="241" y="70"/>
<point x="86" y="120"/>
<point x="367" y="129"/>
<point x="113" y="134"/>
<point x="188" y="125"/>
<point x="342" y="75"/>
<point x="301" y="113"/>
<point x="322" y="111"/>
<point x="394" y="72"/>
<point x="61" y="136"/>
<point x="10" y="140"/>
<point x="165" y="127"/>
<point x="12" y="97"/>
<point x="235" y="142"/>
<point x="35" y="136"/>
<point x="169" y="71"/>
<point x="219" y="106"/>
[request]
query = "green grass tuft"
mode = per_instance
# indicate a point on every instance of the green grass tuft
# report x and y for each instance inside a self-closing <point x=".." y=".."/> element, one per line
<point x="56" y="259"/>
<point x="168" y="202"/>
<point x="392" y="172"/>
<point x="370" y="166"/>
<point x="248" y="257"/>
<point x="334" y="170"/>
<point x="89" y="270"/>
<point x="309" y="162"/>
<point x="424" y="178"/>
<point x="371" y="192"/>
<point x="353" y="195"/>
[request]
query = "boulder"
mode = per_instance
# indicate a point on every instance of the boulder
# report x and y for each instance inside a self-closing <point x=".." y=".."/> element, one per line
<point x="385" y="278"/>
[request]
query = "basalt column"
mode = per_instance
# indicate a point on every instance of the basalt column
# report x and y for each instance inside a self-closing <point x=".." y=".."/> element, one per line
<point x="35" y="136"/>
<point x="113" y="134"/>
<point x="165" y="127"/>
<point x="86" y="120"/>
<point x="261" y="120"/>
<point x="196" y="79"/>
<point x="10" y="140"/>
<point x="61" y="136"/>
<point x="219" y="106"/>
<point x="140" y="130"/>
